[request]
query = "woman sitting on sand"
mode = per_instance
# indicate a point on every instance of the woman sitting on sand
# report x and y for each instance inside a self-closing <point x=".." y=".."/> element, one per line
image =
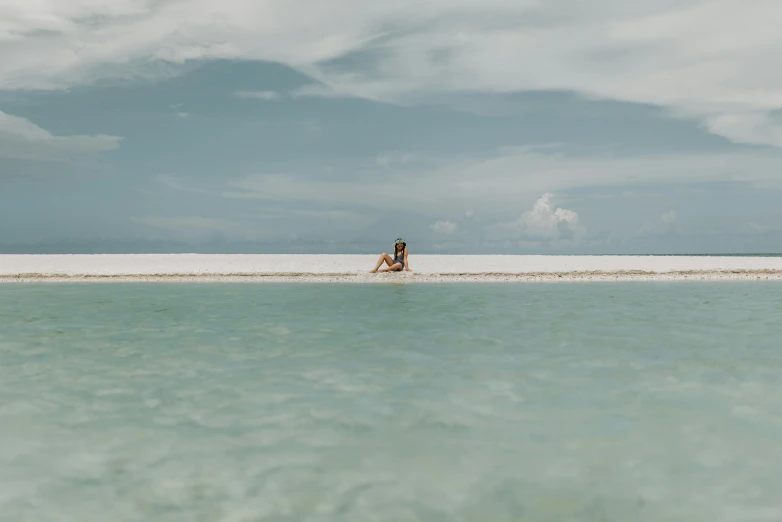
<point x="398" y="262"/>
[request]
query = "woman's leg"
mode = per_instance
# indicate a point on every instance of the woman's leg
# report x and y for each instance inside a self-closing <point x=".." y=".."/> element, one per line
<point x="383" y="257"/>
<point x="393" y="268"/>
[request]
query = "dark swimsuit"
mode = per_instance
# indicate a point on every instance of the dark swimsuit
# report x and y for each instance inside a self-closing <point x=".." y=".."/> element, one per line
<point x="400" y="258"/>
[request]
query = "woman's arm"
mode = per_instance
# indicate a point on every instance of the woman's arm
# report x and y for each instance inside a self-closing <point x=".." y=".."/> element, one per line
<point x="407" y="266"/>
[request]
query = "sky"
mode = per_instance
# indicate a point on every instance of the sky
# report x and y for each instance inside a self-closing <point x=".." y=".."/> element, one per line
<point x="463" y="126"/>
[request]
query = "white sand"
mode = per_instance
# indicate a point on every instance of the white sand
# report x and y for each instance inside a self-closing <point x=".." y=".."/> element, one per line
<point x="355" y="268"/>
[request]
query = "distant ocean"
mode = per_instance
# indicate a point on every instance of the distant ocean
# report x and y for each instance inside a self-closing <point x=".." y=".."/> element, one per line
<point x="476" y="402"/>
<point x="770" y="254"/>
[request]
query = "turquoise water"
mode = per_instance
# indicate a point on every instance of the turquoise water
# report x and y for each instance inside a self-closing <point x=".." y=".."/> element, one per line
<point x="538" y="402"/>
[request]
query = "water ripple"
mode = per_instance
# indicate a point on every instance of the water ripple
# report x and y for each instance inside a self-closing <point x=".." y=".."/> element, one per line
<point x="631" y="402"/>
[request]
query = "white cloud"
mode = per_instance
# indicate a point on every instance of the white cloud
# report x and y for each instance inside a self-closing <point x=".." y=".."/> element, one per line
<point x="443" y="227"/>
<point x="468" y="214"/>
<point x="317" y="90"/>
<point x="750" y="127"/>
<point x="258" y="95"/>
<point x="649" y="51"/>
<point x="544" y="222"/>
<point x="182" y="115"/>
<point x="669" y="220"/>
<point x="22" y="139"/>
<point x="666" y="224"/>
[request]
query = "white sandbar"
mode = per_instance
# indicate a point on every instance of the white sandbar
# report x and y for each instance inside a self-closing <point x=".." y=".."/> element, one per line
<point x="355" y="268"/>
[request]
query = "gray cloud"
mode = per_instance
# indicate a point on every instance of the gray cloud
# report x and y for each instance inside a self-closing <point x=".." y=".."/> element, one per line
<point x="22" y="139"/>
<point x="492" y="187"/>
<point x="656" y="52"/>
<point x="199" y="227"/>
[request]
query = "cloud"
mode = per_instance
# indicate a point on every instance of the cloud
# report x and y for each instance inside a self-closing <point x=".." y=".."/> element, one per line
<point x="185" y="223"/>
<point x="767" y="226"/>
<point x="665" y="225"/>
<point x="343" y="218"/>
<point x="749" y="127"/>
<point x="258" y="95"/>
<point x="649" y="51"/>
<point x="319" y="90"/>
<point x="390" y="159"/>
<point x="182" y="115"/>
<point x="544" y="222"/>
<point x="312" y="126"/>
<point x="493" y="186"/>
<point x="198" y="226"/>
<point x="55" y="45"/>
<point x="175" y="183"/>
<point x="22" y="139"/>
<point x="443" y="227"/>
<point x="669" y="221"/>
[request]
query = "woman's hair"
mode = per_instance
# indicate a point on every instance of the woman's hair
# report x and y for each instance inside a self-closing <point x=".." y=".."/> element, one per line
<point x="396" y="247"/>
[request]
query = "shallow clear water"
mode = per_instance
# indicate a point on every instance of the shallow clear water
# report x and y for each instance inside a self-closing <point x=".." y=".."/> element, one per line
<point x="540" y="402"/>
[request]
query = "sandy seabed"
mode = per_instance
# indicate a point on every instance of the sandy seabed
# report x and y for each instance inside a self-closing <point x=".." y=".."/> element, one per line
<point x="276" y="268"/>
